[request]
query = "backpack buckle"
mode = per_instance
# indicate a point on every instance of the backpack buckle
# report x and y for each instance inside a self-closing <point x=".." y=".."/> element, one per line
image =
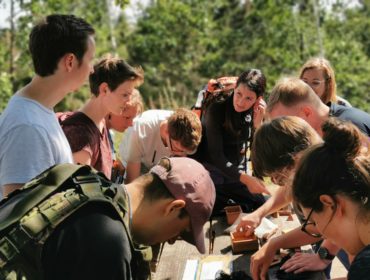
<point x="7" y="251"/>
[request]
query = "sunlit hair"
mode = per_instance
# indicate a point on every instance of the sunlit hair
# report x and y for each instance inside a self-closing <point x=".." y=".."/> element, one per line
<point x="114" y="71"/>
<point x="323" y="64"/>
<point x="289" y="92"/>
<point x="339" y="166"/>
<point x="184" y="126"/>
<point x="136" y="101"/>
<point x="281" y="139"/>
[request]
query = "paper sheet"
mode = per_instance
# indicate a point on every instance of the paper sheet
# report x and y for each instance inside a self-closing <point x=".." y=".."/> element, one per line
<point x="209" y="270"/>
<point x="190" y="271"/>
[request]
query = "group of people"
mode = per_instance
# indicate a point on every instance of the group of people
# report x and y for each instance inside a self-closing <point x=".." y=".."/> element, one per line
<point x="179" y="169"/>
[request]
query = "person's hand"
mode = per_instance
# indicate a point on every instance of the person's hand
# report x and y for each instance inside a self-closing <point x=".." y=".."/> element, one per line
<point x="305" y="262"/>
<point x="261" y="260"/>
<point x="248" y="223"/>
<point x="253" y="184"/>
<point x="259" y="109"/>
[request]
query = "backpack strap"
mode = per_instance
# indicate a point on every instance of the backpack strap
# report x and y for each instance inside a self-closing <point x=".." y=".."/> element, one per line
<point x="47" y="182"/>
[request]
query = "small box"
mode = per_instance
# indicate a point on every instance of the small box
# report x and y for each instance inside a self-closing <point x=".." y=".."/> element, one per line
<point x="240" y="243"/>
<point x="232" y="213"/>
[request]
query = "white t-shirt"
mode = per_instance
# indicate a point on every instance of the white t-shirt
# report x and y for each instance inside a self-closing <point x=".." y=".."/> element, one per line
<point x="142" y="142"/>
<point x="31" y="140"/>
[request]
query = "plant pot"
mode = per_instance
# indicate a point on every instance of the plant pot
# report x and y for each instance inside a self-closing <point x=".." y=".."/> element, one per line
<point x="240" y="243"/>
<point x="232" y="213"/>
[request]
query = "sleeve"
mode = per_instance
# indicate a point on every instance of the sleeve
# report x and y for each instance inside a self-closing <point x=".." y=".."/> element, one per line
<point x="28" y="153"/>
<point x="92" y="244"/>
<point x="215" y="144"/>
<point x="79" y="137"/>
<point x="134" y="147"/>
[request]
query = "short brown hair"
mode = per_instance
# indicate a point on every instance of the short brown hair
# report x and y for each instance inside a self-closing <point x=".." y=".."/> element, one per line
<point x="114" y="71"/>
<point x="55" y="36"/>
<point x="184" y="126"/>
<point x="290" y="91"/>
<point x="281" y="138"/>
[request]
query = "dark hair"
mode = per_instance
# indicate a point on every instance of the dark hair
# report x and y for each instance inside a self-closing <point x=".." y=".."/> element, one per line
<point x="184" y="126"/>
<point x="335" y="167"/>
<point x="155" y="189"/>
<point x="114" y="72"/>
<point x="55" y="36"/>
<point x="254" y="79"/>
<point x="277" y="142"/>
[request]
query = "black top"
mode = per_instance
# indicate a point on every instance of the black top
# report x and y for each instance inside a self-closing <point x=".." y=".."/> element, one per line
<point x="220" y="147"/>
<point x="360" y="267"/>
<point x="91" y="244"/>
<point x="359" y="118"/>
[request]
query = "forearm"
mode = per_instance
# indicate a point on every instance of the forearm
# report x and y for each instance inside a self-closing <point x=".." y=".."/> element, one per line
<point x="7" y="189"/>
<point x="133" y="171"/>
<point x="278" y="200"/>
<point x="293" y="239"/>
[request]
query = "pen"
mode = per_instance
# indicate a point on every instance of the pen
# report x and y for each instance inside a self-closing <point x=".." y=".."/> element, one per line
<point x="155" y="152"/>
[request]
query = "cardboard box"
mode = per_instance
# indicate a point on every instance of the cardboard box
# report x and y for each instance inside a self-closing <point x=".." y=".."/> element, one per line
<point x="232" y="213"/>
<point x="240" y="243"/>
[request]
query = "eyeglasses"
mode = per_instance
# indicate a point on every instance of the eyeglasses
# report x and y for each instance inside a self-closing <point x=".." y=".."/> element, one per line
<point x="306" y="223"/>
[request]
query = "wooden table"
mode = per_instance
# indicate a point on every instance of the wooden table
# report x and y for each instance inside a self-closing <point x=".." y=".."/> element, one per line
<point x="174" y="257"/>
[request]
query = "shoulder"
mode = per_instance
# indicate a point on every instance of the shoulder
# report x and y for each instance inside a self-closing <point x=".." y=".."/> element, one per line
<point x="358" y="117"/>
<point x="360" y="268"/>
<point x="80" y="130"/>
<point x="150" y="119"/>
<point x="25" y="112"/>
<point x="153" y="115"/>
<point x="343" y="102"/>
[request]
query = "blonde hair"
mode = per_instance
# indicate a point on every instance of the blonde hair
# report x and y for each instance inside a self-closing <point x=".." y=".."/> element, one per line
<point x="136" y="101"/>
<point x="320" y="63"/>
<point x="290" y="91"/>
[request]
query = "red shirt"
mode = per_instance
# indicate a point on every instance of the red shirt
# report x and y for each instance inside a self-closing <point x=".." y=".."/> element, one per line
<point x="83" y="134"/>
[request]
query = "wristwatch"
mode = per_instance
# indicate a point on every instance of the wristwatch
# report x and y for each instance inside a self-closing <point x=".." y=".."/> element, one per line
<point x="324" y="254"/>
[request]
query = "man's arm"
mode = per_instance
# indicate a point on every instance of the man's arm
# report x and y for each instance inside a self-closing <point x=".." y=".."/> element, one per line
<point x="7" y="189"/>
<point x="133" y="171"/>
<point x="82" y="157"/>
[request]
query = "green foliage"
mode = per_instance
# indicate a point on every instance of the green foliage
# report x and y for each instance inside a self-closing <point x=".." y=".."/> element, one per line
<point x="181" y="44"/>
<point x="5" y="90"/>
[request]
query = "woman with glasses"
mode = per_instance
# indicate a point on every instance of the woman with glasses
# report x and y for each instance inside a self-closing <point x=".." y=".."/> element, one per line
<point x="284" y="140"/>
<point x="227" y="123"/>
<point x="319" y="75"/>
<point x="335" y="196"/>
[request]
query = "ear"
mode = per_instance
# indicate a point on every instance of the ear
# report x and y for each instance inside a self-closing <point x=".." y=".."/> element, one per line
<point x="68" y="61"/>
<point x="305" y="112"/>
<point x="174" y="207"/>
<point x="103" y="88"/>
<point x="327" y="200"/>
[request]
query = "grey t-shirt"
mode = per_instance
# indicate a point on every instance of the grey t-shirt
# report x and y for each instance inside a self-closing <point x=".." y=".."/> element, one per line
<point x="31" y="140"/>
